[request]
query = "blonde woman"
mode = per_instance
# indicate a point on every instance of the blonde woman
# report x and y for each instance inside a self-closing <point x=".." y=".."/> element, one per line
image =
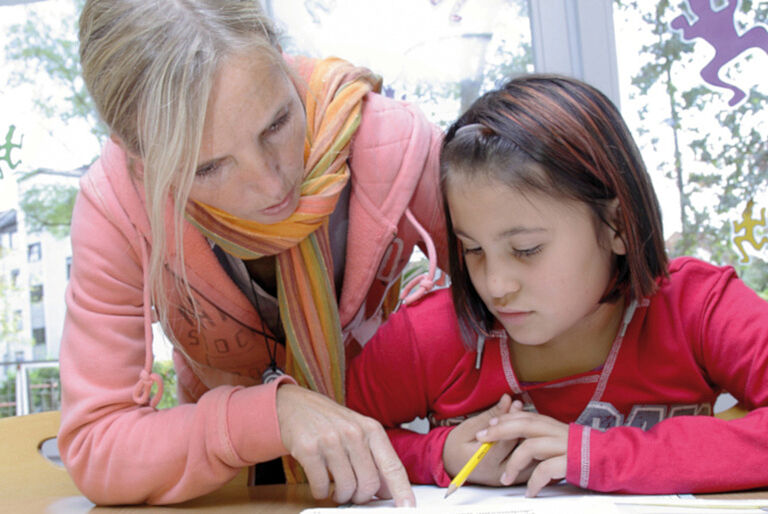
<point x="260" y="207"/>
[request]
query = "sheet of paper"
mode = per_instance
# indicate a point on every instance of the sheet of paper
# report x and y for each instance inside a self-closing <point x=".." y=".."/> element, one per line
<point x="471" y="499"/>
<point x="554" y="499"/>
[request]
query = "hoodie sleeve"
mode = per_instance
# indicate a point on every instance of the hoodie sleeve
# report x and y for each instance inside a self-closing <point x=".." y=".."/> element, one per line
<point x="727" y="325"/>
<point x="118" y="451"/>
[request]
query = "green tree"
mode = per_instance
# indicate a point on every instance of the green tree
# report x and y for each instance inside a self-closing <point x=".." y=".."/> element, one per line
<point x="48" y="206"/>
<point x="43" y="48"/>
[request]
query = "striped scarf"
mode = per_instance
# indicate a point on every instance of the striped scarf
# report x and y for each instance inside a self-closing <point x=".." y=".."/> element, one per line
<point x="305" y="285"/>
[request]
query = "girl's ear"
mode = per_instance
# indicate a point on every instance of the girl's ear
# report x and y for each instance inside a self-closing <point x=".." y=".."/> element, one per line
<point x="618" y="246"/>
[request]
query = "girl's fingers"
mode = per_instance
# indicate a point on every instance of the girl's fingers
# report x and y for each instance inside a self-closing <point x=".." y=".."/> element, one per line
<point x="520" y="425"/>
<point x="548" y="471"/>
<point x="532" y="450"/>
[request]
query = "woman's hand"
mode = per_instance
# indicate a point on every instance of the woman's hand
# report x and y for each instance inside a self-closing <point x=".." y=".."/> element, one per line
<point x="544" y="447"/>
<point x="330" y="440"/>
<point x="461" y="444"/>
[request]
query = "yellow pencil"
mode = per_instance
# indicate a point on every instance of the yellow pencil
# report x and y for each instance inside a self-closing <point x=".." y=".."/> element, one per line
<point x="468" y="468"/>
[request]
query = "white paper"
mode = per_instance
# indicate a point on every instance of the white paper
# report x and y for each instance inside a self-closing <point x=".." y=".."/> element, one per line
<point x="553" y="499"/>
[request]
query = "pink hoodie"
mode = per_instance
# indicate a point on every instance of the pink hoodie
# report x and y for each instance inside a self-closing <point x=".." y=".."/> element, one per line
<point x="118" y="448"/>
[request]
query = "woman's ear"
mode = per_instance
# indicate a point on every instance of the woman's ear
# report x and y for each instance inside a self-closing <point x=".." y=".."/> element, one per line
<point x="618" y="246"/>
<point x="134" y="163"/>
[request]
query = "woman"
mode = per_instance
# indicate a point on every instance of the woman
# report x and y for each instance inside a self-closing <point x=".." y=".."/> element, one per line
<point x="260" y="207"/>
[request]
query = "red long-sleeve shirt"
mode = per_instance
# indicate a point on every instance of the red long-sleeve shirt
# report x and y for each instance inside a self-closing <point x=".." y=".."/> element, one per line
<point x="640" y="424"/>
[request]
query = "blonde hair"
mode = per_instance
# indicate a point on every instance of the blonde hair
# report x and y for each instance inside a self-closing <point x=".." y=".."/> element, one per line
<point x="149" y="66"/>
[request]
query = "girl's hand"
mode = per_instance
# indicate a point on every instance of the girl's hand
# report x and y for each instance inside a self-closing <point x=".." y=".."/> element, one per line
<point x="330" y="440"/>
<point x="461" y="444"/>
<point x="544" y="446"/>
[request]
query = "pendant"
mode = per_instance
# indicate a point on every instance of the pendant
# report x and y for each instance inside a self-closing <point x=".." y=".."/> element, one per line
<point x="271" y="374"/>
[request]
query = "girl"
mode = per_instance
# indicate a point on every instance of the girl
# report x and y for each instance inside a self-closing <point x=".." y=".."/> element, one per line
<point x="563" y="301"/>
<point x="223" y="207"/>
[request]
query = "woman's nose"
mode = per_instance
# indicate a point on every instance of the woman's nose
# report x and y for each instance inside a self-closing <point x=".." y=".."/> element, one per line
<point x="262" y="173"/>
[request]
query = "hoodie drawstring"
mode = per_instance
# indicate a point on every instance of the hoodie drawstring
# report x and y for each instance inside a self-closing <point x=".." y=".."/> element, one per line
<point x="143" y="388"/>
<point x="426" y="281"/>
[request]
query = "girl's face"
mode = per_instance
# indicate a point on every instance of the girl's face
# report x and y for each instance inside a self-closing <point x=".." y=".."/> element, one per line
<point x="251" y="162"/>
<point x="539" y="263"/>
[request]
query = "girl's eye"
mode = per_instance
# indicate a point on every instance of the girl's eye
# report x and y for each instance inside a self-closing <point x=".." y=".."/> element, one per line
<point x="526" y="252"/>
<point x="207" y="170"/>
<point x="472" y="251"/>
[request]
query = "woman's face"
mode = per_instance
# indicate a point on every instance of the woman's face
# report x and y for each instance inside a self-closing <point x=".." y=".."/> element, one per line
<point x="251" y="161"/>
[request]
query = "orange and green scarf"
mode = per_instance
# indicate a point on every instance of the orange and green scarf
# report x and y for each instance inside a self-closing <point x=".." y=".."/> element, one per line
<point x="305" y="285"/>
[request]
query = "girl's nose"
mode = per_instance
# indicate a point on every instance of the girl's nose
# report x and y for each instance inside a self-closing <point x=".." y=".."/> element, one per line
<point x="503" y="285"/>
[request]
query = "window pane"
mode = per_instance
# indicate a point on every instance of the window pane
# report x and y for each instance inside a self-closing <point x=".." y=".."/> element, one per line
<point x="699" y="117"/>
<point x="438" y="53"/>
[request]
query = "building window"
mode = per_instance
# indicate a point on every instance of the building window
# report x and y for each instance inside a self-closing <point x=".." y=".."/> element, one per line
<point x="36" y="293"/>
<point x="34" y="252"/>
<point x="17" y="320"/>
<point x="18" y="356"/>
<point x="38" y="334"/>
<point x="69" y="266"/>
<point x="15" y="277"/>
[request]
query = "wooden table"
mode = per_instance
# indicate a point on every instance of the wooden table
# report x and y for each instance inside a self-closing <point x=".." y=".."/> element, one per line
<point x="232" y="499"/>
<point x="267" y="499"/>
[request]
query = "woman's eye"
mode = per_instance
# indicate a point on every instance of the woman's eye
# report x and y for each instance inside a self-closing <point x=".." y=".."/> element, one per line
<point x="279" y="123"/>
<point x="473" y="251"/>
<point x="207" y="170"/>
<point x="526" y="252"/>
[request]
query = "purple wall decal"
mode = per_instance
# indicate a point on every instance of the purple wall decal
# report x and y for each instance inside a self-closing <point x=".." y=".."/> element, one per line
<point x="719" y="30"/>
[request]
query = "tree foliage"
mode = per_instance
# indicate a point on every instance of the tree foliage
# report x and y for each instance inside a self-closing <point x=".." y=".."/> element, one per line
<point x="719" y="157"/>
<point x="48" y="207"/>
<point x="53" y="51"/>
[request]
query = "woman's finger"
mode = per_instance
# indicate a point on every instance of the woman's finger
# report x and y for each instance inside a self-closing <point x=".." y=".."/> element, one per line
<point x="337" y="460"/>
<point x="316" y="473"/>
<point x="360" y="455"/>
<point x="392" y="470"/>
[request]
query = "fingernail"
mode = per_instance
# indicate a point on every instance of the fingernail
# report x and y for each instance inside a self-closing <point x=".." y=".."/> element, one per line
<point x="407" y="503"/>
<point x="481" y="433"/>
<point x="504" y="479"/>
<point x="493" y="421"/>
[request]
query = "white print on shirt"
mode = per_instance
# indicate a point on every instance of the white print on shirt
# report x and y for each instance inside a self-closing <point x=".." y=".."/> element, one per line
<point x="603" y="415"/>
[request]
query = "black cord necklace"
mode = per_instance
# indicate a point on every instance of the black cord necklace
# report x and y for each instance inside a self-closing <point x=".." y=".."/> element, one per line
<point x="273" y="371"/>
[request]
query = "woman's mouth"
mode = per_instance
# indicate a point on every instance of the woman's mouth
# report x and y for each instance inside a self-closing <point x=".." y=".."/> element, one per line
<point x="278" y="208"/>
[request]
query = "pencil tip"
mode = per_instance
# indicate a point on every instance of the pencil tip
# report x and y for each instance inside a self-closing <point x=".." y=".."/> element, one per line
<point x="449" y="492"/>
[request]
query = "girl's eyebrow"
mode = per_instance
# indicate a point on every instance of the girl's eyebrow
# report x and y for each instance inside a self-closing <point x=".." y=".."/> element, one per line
<point x="507" y="233"/>
<point x="520" y="230"/>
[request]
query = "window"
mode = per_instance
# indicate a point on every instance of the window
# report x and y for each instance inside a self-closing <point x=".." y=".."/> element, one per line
<point x="36" y="293"/>
<point x="18" y="320"/>
<point x="38" y="335"/>
<point x="69" y="266"/>
<point x="695" y="100"/>
<point x="15" y="277"/>
<point x="34" y="252"/>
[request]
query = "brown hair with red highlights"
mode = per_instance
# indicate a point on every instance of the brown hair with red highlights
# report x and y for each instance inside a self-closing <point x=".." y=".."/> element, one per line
<point x="561" y="137"/>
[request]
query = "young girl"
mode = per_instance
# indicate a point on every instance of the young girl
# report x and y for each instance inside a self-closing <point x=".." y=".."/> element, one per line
<point x="600" y="360"/>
